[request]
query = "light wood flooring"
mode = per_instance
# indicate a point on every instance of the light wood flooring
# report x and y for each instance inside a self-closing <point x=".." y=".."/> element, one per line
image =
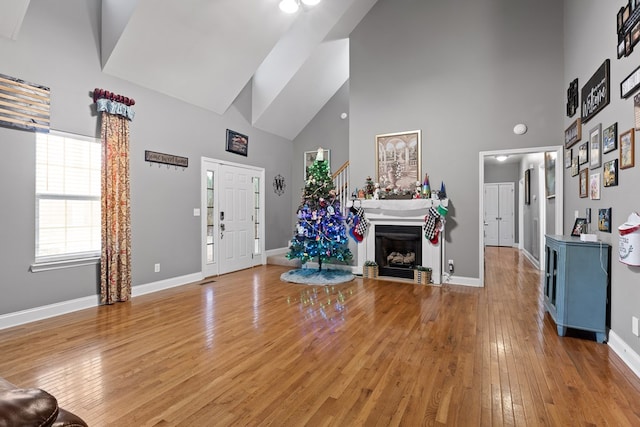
<point x="248" y="349"/>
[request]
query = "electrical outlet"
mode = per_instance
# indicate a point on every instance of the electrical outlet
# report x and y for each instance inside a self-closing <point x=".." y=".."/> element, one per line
<point x="450" y="266"/>
<point x="156" y="268"/>
<point x="634" y="325"/>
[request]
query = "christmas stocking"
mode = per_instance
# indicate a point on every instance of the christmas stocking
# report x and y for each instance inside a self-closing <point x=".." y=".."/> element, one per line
<point x="363" y="223"/>
<point x="353" y="222"/>
<point x="430" y="223"/>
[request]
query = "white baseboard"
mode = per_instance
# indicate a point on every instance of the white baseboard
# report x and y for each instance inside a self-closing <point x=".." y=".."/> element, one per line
<point x="278" y="251"/>
<point x="626" y="353"/>
<point x="531" y="258"/>
<point x="136" y="291"/>
<point x="460" y="280"/>
<point x="18" y="318"/>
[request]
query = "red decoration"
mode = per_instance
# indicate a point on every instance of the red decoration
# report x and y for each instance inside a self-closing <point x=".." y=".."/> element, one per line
<point x="101" y="93"/>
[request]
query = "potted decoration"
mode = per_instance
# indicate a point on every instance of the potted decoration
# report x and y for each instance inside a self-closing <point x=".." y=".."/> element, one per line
<point x="370" y="270"/>
<point x="422" y="275"/>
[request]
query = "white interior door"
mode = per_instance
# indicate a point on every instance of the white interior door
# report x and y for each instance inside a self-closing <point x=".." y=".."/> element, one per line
<point x="491" y="214"/>
<point x="498" y="214"/>
<point x="505" y="209"/>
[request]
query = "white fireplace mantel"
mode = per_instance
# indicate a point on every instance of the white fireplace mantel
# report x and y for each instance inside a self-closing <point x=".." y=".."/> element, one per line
<point x="401" y="212"/>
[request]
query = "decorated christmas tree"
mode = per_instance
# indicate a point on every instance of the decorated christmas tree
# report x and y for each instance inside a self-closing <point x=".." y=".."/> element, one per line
<point x="321" y="231"/>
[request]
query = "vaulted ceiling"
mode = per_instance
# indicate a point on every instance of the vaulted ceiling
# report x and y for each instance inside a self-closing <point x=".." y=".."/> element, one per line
<point x="205" y="52"/>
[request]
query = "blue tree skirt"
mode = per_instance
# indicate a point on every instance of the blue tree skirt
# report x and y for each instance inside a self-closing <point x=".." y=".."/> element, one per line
<point x="312" y="276"/>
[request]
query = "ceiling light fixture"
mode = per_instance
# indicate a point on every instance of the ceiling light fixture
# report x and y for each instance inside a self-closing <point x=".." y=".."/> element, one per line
<point x="501" y="158"/>
<point x="292" y="6"/>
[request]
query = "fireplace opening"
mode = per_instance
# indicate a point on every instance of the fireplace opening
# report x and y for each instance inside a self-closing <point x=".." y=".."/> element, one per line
<point x="398" y="249"/>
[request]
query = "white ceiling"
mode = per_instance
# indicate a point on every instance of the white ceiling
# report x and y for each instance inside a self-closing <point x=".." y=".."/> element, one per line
<point x="205" y="52"/>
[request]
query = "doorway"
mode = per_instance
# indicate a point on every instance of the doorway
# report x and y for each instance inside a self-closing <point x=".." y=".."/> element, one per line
<point x="499" y="199"/>
<point x="558" y="214"/>
<point x="232" y="206"/>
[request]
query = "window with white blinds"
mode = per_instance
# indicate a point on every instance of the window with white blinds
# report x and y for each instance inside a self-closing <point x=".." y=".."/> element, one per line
<point x="67" y="197"/>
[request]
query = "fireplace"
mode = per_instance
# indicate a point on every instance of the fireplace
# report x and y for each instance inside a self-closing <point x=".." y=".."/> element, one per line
<point x="400" y="222"/>
<point x="398" y="249"/>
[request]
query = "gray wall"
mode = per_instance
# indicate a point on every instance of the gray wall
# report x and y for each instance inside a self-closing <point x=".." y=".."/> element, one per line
<point x="59" y="46"/>
<point x="585" y="51"/>
<point x="508" y="172"/>
<point x="327" y="130"/>
<point x="465" y="72"/>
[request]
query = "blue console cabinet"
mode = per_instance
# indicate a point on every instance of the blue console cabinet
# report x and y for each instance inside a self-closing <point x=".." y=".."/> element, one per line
<point x="576" y="284"/>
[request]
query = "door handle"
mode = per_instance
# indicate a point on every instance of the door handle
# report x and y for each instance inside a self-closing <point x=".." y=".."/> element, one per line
<point x="221" y="230"/>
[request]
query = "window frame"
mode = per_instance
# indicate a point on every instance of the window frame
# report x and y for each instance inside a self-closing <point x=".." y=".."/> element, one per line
<point x="69" y="259"/>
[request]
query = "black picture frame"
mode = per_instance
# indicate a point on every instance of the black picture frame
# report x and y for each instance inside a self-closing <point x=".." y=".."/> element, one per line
<point x="630" y="84"/>
<point x="575" y="167"/>
<point x="583" y="153"/>
<point x="579" y="227"/>
<point x="572" y="98"/>
<point x="620" y="20"/>
<point x="610" y="138"/>
<point x="237" y="143"/>
<point x="610" y="174"/>
<point x="604" y="220"/>
<point x="527" y="186"/>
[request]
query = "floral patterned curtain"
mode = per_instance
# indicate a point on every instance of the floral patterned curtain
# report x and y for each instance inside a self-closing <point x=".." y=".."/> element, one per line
<point x="115" y="271"/>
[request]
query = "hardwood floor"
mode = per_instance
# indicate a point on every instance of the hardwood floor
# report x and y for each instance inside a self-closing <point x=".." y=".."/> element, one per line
<point x="249" y="349"/>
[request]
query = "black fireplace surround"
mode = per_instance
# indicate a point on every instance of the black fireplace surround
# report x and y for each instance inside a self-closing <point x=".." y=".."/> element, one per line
<point x="398" y="249"/>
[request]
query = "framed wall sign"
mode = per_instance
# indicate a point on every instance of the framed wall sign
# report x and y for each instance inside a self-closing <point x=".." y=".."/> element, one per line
<point x="568" y="155"/>
<point x="572" y="98"/>
<point x="630" y="84"/>
<point x="398" y="159"/>
<point x="573" y="133"/>
<point x="595" y="93"/>
<point x="237" y="143"/>
<point x="595" y="147"/>
<point x="610" y="138"/>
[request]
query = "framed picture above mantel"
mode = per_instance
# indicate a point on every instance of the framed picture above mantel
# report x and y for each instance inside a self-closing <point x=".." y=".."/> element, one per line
<point x="398" y="159"/>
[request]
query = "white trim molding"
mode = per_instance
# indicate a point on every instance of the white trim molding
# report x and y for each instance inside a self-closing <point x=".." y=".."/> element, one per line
<point x="18" y="318"/>
<point x="626" y="353"/>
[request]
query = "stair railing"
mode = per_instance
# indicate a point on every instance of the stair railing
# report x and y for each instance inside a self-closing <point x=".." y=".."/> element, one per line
<point x="341" y="182"/>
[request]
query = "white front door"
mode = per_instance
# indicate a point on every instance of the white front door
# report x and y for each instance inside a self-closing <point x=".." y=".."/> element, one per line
<point x="498" y="214"/>
<point x="236" y="219"/>
<point x="232" y="201"/>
